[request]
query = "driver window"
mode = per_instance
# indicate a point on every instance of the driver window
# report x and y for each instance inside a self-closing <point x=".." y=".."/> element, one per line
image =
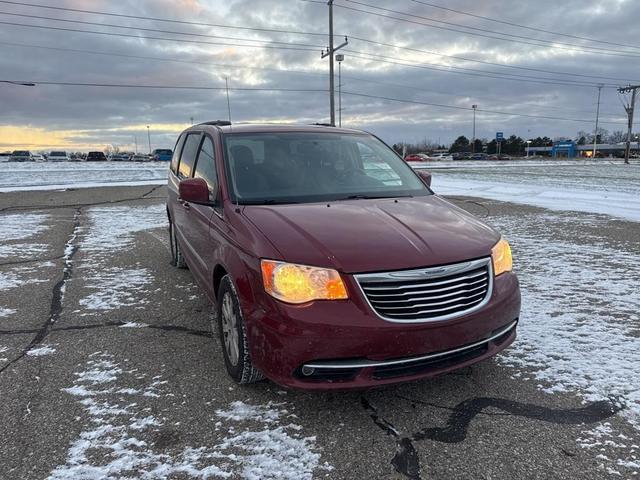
<point x="206" y="165"/>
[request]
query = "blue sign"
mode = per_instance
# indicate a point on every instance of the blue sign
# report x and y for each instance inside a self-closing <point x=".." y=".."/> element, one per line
<point x="499" y="136"/>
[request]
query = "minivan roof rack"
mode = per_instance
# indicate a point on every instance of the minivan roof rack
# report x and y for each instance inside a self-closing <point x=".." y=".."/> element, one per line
<point x="217" y="123"/>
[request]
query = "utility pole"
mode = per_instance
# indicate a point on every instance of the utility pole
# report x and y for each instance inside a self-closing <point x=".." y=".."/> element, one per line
<point x="473" y="141"/>
<point x="339" y="59"/>
<point x="331" y="50"/>
<point x="629" y="109"/>
<point x="135" y="139"/>
<point x="595" y="133"/>
<point x="149" y="137"/>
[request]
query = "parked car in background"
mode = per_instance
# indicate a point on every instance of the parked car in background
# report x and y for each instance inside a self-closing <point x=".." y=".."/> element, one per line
<point x="21" y="156"/>
<point x="441" y="156"/>
<point x="325" y="274"/>
<point x="414" y="157"/>
<point x="161" y="155"/>
<point x="37" y="157"/>
<point x="119" y="157"/>
<point x="504" y="157"/>
<point x="478" y="156"/>
<point x="58" y="156"/>
<point x="96" y="157"/>
<point x="140" y="157"/>
<point x="5" y="156"/>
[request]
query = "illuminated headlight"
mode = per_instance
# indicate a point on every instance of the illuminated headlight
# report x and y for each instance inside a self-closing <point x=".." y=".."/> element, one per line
<point x="501" y="257"/>
<point x="293" y="283"/>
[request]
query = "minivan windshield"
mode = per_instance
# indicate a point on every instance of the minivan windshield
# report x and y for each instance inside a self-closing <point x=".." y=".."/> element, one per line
<point x="293" y="167"/>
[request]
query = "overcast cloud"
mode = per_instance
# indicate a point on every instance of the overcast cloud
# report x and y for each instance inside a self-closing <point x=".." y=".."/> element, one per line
<point x="45" y="116"/>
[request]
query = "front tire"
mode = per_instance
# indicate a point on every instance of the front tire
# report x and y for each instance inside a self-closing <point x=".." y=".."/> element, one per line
<point x="233" y="336"/>
<point x="177" y="259"/>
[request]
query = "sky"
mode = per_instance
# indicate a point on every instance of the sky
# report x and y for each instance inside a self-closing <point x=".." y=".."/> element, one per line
<point x="533" y="72"/>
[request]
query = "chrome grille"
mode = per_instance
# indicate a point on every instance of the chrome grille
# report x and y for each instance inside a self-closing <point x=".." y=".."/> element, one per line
<point x="429" y="294"/>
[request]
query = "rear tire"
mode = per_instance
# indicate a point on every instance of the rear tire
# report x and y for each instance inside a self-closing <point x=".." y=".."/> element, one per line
<point x="177" y="259"/>
<point x="233" y="336"/>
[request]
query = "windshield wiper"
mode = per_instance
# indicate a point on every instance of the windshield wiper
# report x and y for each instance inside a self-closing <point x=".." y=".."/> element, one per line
<point x="267" y="202"/>
<point x="372" y="197"/>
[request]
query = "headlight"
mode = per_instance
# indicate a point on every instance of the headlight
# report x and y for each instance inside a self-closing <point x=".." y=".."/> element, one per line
<point x="501" y="257"/>
<point x="293" y="283"/>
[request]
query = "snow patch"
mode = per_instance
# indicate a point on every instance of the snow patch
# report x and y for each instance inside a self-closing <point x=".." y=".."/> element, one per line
<point x="114" y="228"/>
<point x="134" y="325"/>
<point x="603" y="438"/>
<point x="116" y="287"/>
<point x="579" y="324"/>
<point x="5" y="312"/>
<point x="41" y="351"/>
<point x="116" y="442"/>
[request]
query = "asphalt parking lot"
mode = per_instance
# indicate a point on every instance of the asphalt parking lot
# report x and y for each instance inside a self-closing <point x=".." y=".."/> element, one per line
<point x="108" y="368"/>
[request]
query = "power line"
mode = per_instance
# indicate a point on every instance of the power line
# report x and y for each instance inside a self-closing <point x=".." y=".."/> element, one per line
<point x="527" y="27"/>
<point x="380" y="58"/>
<point x="503" y="65"/>
<point x="167" y="87"/>
<point x="548" y="44"/>
<point x="303" y="90"/>
<point x="288" y="71"/>
<point x="171" y="32"/>
<point x="467" y="71"/>
<point x="157" y="19"/>
<point x="162" y="59"/>
<point x="454" y="107"/>
<point x="289" y="44"/>
<point x="146" y="37"/>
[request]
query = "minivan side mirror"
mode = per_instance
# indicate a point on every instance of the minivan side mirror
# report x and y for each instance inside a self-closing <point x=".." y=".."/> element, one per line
<point x="425" y="176"/>
<point x="194" y="190"/>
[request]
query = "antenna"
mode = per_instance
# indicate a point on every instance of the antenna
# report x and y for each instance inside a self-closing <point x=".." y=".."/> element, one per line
<point x="226" y="82"/>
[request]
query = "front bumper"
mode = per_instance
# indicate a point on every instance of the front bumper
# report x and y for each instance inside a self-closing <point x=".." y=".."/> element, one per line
<point x="344" y="344"/>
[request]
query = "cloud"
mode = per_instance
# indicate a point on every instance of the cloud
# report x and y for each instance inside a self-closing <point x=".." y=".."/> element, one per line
<point x="91" y="117"/>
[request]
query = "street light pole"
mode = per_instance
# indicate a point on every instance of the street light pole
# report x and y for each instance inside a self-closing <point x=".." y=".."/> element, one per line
<point x="339" y="59"/>
<point x="473" y="141"/>
<point x="149" y="137"/>
<point x="595" y="133"/>
<point x="330" y="53"/>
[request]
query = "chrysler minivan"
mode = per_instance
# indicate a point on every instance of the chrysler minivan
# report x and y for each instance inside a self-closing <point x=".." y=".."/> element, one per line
<point x="331" y="262"/>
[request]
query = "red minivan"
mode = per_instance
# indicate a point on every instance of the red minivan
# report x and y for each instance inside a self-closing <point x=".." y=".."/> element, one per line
<point x="331" y="262"/>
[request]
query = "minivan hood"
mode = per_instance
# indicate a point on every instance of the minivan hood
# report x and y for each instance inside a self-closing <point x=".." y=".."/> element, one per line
<point x="358" y="236"/>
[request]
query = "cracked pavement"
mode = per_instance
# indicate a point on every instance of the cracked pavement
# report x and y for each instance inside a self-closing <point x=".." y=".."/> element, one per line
<point x="107" y="343"/>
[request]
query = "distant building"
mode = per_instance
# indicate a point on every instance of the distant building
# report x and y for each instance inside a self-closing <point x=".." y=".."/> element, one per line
<point x="569" y="149"/>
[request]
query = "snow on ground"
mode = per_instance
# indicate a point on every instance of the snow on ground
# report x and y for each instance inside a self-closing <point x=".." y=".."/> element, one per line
<point x="41" y="351"/>
<point x="116" y="287"/>
<point x="60" y="175"/>
<point x="606" y="188"/>
<point x="113" y="443"/>
<point x="580" y="321"/>
<point x="110" y="231"/>
<point x="604" y="437"/>
<point x="16" y="232"/>
<point x="17" y="242"/>
<point x="114" y="228"/>
<point x="5" y="312"/>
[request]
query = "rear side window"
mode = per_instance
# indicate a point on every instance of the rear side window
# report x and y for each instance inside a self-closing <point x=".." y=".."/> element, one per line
<point x="206" y="165"/>
<point x="188" y="157"/>
<point x="176" y="154"/>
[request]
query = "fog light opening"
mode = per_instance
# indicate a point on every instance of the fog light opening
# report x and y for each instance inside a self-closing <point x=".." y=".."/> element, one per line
<point x="307" y="371"/>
